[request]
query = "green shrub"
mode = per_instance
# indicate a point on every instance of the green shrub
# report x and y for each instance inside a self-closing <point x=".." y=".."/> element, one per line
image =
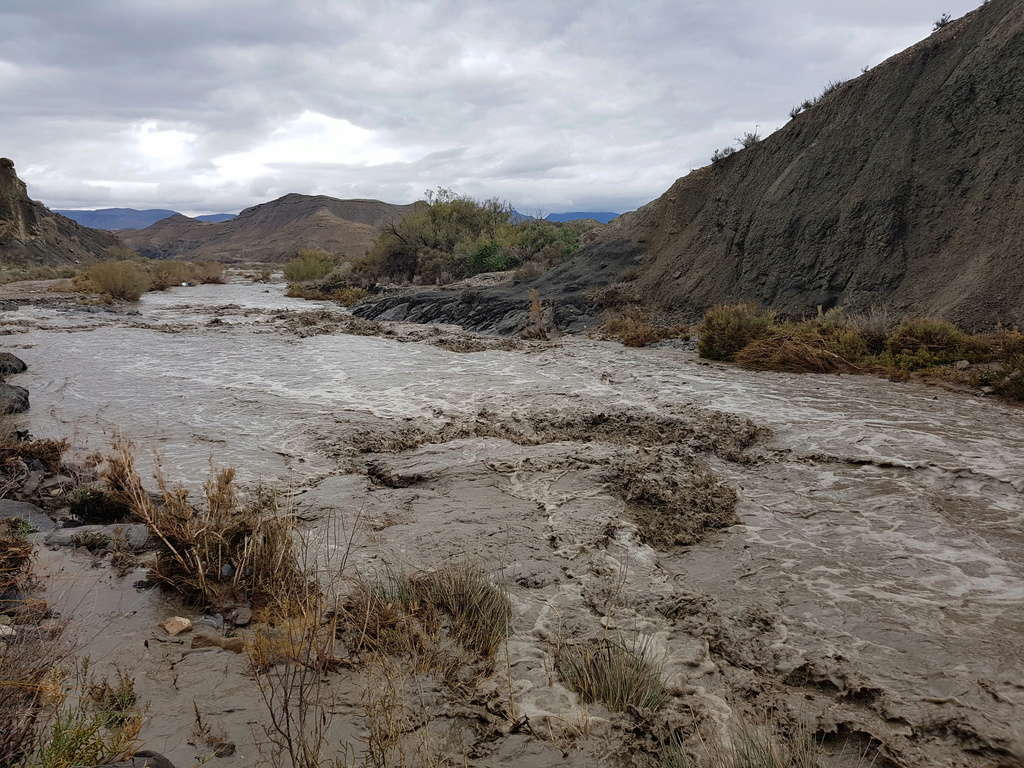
<point x="728" y="328"/>
<point x="621" y="676"/>
<point x="922" y="342"/>
<point x="119" y="279"/>
<point x="309" y="265"/>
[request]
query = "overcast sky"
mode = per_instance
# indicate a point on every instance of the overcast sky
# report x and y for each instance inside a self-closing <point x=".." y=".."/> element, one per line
<point x="553" y="105"/>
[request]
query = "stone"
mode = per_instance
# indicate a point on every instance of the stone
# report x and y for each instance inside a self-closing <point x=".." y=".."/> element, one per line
<point x="224" y="749"/>
<point x="28" y="513"/>
<point x="10" y="364"/>
<point x="5" y="620"/>
<point x="6" y="630"/>
<point x="13" y="399"/>
<point x="134" y="534"/>
<point x="176" y="625"/>
<point x="241" y="616"/>
<point x="962" y="365"/>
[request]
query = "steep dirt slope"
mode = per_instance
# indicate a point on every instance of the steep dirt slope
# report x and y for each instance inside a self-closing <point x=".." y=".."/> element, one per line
<point x="31" y="234"/>
<point x="271" y="231"/>
<point x="904" y="187"/>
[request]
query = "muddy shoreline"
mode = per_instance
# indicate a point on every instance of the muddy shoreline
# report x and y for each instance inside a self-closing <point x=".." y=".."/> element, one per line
<point x="850" y="556"/>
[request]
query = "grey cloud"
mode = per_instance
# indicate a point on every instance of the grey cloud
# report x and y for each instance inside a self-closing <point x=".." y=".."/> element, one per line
<point x="548" y="105"/>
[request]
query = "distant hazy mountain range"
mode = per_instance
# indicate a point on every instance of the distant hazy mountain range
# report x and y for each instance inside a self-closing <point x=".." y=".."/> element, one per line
<point x="131" y="218"/>
<point x="602" y="216"/>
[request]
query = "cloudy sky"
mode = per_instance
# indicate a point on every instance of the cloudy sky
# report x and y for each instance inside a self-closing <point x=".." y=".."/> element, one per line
<point x="204" y="106"/>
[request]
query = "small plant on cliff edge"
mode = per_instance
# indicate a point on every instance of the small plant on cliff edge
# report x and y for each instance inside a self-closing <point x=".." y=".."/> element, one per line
<point x="720" y="154"/>
<point x="749" y="139"/>
<point x="943" y="21"/>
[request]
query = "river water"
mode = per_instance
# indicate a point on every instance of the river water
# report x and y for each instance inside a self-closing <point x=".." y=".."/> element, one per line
<point x="877" y="573"/>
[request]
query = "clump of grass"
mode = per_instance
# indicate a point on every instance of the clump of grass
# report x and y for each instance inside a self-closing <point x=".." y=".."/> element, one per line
<point x="620" y="675"/>
<point x="97" y="724"/>
<point x="119" y="279"/>
<point x="222" y="550"/>
<point x="536" y="325"/>
<point x="309" y="265"/>
<point x="728" y="328"/>
<point x="404" y="614"/>
<point x="49" y="452"/>
<point x="346" y="296"/>
<point x="15" y="558"/>
<point x="803" y="348"/>
<point x="94" y="541"/>
<point x="634" y="328"/>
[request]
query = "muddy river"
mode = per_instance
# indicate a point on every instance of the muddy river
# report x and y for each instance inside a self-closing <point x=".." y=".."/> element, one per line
<point x="874" y="585"/>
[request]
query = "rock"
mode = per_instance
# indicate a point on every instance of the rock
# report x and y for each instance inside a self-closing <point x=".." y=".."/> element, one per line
<point x="962" y="365"/>
<point x="5" y="620"/>
<point x="224" y="749"/>
<point x="29" y="513"/>
<point x="988" y="390"/>
<point x="13" y="399"/>
<point x="134" y="534"/>
<point x="6" y="630"/>
<point x="10" y="364"/>
<point x="176" y="625"/>
<point x="31" y="484"/>
<point x="147" y="759"/>
<point x="233" y="644"/>
<point x="213" y="621"/>
<point x="241" y="616"/>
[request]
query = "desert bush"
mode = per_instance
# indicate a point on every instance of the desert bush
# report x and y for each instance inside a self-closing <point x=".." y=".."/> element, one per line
<point x="795" y="111"/>
<point x="831" y="87"/>
<point x="874" y="326"/>
<point x="620" y="675"/>
<point x="802" y="349"/>
<point x="749" y="139"/>
<point x="223" y="550"/>
<point x="720" y="154"/>
<point x="309" y="265"/>
<point x="634" y="328"/>
<point x="1010" y="381"/>
<point x="15" y="559"/>
<point x="164" y="274"/>
<point x="923" y="342"/>
<point x="119" y="279"/>
<point x="728" y="328"/>
<point x="14" y="274"/>
<point x="536" y="326"/>
<point x="346" y="296"/>
<point x="942" y="22"/>
<point x="207" y="272"/>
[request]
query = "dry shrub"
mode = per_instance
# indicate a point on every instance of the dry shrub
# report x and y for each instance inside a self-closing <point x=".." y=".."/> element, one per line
<point x="1010" y="383"/>
<point x="403" y="614"/>
<point x="610" y="296"/>
<point x="119" y="279"/>
<point x="929" y="335"/>
<point x="346" y="296"/>
<point x="208" y="272"/>
<point x="671" y="507"/>
<point x="165" y="274"/>
<point x="309" y="265"/>
<point x="873" y="325"/>
<point x="634" y="328"/>
<point x="620" y="675"/>
<point x="801" y="348"/>
<point x="728" y="328"/>
<point x="536" y="326"/>
<point x="225" y="549"/>
<point x="49" y="452"/>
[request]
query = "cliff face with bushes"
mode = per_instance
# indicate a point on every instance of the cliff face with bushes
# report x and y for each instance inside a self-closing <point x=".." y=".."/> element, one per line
<point x="903" y="187"/>
<point x="31" y="234"/>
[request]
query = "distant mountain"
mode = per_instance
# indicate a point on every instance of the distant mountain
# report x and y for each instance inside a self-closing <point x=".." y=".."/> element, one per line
<point x="31" y="234"/>
<point x="603" y="216"/>
<point x="272" y="231"/>
<point x="131" y="218"/>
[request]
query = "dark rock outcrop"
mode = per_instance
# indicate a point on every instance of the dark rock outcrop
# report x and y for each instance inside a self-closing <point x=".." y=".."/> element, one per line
<point x="13" y="399"/>
<point x="32" y="234"/>
<point x="11" y="364"/>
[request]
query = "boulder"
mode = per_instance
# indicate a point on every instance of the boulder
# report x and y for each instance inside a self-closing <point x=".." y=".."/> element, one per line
<point x="29" y="513"/>
<point x="10" y="364"/>
<point x="135" y="534"/>
<point x="13" y="399"/>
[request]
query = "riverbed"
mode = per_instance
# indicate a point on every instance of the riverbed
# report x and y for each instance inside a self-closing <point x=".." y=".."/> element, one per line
<point x="874" y="584"/>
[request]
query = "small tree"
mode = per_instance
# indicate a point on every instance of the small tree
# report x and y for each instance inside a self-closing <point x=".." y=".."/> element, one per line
<point x="749" y="139"/>
<point x="941" y="22"/>
<point x="720" y="154"/>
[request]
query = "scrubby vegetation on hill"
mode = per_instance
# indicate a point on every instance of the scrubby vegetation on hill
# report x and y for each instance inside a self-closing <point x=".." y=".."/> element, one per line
<point x="872" y="342"/>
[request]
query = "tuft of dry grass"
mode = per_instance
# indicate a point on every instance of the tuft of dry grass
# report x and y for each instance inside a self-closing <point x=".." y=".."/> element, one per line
<point x="620" y="675"/>
<point x="347" y="296"/>
<point x="15" y="558"/>
<point x="536" y="326"/>
<point x="223" y="550"/>
<point x="404" y="614"/>
<point x="634" y="328"/>
<point x="803" y="348"/>
<point x="728" y="328"/>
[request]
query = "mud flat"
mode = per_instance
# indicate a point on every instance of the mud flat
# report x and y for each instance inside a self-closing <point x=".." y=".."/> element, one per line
<point x="841" y="551"/>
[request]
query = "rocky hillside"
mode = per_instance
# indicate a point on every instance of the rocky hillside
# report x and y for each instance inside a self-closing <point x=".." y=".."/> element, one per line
<point x="31" y="234"/>
<point x="903" y="187"/>
<point x="271" y="231"/>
